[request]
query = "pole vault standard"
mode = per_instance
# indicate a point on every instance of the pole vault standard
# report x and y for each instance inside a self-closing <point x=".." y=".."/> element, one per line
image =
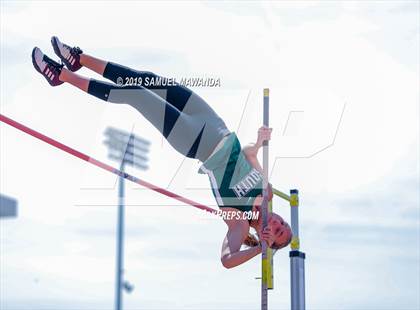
<point x="297" y="258"/>
<point x="102" y="165"/>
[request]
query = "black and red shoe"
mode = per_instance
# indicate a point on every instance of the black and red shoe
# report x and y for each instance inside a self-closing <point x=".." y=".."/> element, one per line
<point x="70" y="56"/>
<point x="49" y="68"/>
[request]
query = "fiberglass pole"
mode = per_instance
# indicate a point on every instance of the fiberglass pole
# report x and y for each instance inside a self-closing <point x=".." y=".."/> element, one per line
<point x="264" y="209"/>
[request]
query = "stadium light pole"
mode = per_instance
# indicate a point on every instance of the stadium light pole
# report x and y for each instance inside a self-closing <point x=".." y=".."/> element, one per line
<point x="127" y="149"/>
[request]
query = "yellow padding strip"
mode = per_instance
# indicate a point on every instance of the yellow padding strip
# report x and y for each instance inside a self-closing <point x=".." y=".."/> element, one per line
<point x="265" y="267"/>
<point x="294" y="244"/>
<point x="270" y="284"/>
<point x="294" y="200"/>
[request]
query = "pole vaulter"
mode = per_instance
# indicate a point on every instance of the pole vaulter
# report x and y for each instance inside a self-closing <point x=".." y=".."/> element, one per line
<point x="194" y="129"/>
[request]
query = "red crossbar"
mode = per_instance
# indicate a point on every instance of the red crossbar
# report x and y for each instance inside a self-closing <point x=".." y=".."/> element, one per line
<point x="100" y="164"/>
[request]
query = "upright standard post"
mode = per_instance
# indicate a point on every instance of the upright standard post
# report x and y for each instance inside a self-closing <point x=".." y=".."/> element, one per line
<point x="120" y="241"/>
<point x="297" y="258"/>
<point x="264" y="210"/>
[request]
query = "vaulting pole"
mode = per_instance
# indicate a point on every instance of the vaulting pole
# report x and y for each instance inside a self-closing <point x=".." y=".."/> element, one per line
<point x="102" y="165"/>
<point x="270" y="283"/>
<point x="265" y="260"/>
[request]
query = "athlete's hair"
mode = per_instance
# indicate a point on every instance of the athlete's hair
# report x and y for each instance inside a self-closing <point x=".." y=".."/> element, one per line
<point x="252" y="240"/>
<point x="276" y="246"/>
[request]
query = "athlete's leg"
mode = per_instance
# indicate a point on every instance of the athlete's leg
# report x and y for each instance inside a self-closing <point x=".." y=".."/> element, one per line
<point x="74" y="59"/>
<point x="74" y="79"/>
<point x="182" y="136"/>
<point x="175" y="94"/>
<point x="179" y="96"/>
<point x="95" y="64"/>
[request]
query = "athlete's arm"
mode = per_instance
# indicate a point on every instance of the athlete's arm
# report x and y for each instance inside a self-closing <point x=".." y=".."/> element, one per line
<point x="251" y="150"/>
<point x="232" y="255"/>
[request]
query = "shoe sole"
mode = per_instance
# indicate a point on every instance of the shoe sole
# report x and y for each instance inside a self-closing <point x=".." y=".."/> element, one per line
<point x="37" y="68"/>
<point x="34" y="62"/>
<point x="57" y="51"/>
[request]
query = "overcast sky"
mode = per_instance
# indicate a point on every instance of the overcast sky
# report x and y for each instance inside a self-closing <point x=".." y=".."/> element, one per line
<point x="344" y="93"/>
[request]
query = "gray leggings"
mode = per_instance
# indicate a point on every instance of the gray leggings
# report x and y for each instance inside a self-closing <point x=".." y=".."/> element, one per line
<point x="188" y="123"/>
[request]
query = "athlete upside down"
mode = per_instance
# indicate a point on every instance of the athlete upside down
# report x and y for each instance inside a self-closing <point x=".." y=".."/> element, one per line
<point x="194" y="129"/>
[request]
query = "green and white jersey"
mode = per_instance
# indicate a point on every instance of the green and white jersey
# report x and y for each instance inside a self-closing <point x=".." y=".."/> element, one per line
<point x="235" y="183"/>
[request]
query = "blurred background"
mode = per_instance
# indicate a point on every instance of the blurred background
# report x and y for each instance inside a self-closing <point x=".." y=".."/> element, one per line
<point x="344" y="93"/>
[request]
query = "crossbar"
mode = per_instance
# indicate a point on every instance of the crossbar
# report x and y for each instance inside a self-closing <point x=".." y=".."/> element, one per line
<point x="101" y="165"/>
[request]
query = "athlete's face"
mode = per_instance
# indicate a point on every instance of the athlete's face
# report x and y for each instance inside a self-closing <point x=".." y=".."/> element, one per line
<point x="281" y="231"/>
